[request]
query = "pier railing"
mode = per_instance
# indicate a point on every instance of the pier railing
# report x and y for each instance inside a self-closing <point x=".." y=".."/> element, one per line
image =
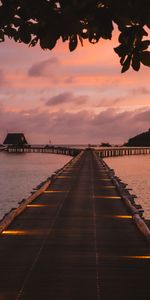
<point x="102" y="152"/>
<point x="122" y="151"/>
<point x="42" y="149"/>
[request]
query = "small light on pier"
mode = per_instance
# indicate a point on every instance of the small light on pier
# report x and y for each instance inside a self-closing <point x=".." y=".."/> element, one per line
<point x="62" y="177"/>
<point x="54" y="191"/>
<point x="31" y="232"/>
<point x="138" y="256"/>
<point x="122" y="217"/>
<point x="122" y="257"/>
<point x="107" y="197"/>
<point x="36" y="205"/>
<point x="14" y="232"/>
<point x="114" y="216"/>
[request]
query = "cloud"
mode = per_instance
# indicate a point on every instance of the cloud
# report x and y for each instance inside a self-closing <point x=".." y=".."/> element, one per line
<point x="44" y="68"/>
<point x="67" y="98"/>
<point x="125" y="100"/>
<point x="119" y="126"/>
<point x="2" y="78"/>
<point x="79" y="127"/>
<point x="140" y="91"/>
<point x="143" y="117"/>
<point x="108" y="102"/>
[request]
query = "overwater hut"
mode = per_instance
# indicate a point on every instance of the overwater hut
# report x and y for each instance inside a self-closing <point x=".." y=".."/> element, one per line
<point x="15" y="139"/>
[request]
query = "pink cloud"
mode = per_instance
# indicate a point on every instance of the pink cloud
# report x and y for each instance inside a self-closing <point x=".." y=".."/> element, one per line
<point x="44" y="68"/>
<point x="81" y="127"/>
<point x="67" y="98"/>
<point x="3" y="80"/>
<point x="88" y="79"/>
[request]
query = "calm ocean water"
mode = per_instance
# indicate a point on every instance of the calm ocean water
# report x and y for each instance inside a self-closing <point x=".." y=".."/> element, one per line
<point x="19" y="174"/>
<point x="135" y="171"/>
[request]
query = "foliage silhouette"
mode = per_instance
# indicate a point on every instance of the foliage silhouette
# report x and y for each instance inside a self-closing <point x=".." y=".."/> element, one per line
<point x="105" y="145"/>
<point x="140" y="140"/>
<point x="45" y="21"/>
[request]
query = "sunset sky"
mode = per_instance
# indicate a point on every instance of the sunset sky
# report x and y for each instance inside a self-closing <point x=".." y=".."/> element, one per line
<point x="78" y="97"/>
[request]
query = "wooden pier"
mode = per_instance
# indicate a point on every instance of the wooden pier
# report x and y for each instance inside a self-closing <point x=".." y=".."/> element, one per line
<point x="76" y="241"/>
<point x="102" y="152"/>
<point x="43" y="149"/>
<point x="122" y="151"/>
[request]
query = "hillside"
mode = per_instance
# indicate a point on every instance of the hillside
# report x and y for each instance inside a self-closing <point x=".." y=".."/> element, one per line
<point x="141" y="140"/>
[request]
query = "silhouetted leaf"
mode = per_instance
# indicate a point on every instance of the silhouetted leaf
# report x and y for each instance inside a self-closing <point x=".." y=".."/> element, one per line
<point x="136" y="62"/>
<point x="47" y="20"/>
<point x="145" y="58"/>
<point x="143" y="32"/>
<point x="17" y="22"/>
<point x="10" y="32"/>
<point x="122" y="59"/>
<point x="121" y="50"/>
<point x="1" y="36"/>
<point x="64" y="37"/>
<point x="33" y="42"/>
<point x="84" y="33"/>
<point x="25" y="38"/>
<point x="81" y="40"/>
<point x="93" y="37"/>
<point x="16" y="37"/>
<point x="126" y="64"/>
<point x="73" y="42"/>
<point x="144" y="45"/>
<point x="24" y="34"/>
<point x="48" y="42"/>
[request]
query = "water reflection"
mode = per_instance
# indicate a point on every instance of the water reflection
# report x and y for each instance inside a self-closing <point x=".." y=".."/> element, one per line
<point x="20" y="173"/>
<point x="134" y="170"/>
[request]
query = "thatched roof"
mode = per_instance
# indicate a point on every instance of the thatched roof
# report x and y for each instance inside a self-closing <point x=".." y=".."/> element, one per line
<point x="15" y="139"/>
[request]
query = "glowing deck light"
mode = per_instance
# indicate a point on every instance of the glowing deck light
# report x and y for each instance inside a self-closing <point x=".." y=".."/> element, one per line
<point x="122" y="217"/>
<point x="32" y="232"/>
<point x="15" y="232"/>
<point x="114" y="216"/>
<point x="54" y="191"/>
<point x="107" y="197"/>
<point x="36" y="205"/>
<point x="112" y="257"/>
<point x="62" y="177"/>
<point x="138" y="256"/>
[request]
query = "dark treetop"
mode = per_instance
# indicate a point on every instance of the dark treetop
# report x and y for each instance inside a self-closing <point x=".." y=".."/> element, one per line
<point x="45" y="21"/>
<point x="140" y="140"/>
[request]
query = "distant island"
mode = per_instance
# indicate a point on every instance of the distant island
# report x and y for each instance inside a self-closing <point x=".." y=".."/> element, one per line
<point x="140" y="140"/>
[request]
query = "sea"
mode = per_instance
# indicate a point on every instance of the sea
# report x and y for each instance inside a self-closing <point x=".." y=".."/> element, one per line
<point x="21" y="173"/>
<point x="134" y="170"/>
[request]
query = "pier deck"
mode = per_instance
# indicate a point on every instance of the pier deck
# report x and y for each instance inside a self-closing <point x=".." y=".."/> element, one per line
<point x="75" y="241"/>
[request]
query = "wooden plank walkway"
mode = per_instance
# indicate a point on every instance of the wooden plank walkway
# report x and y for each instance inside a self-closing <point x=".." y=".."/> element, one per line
<point x="75" y="241"/>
